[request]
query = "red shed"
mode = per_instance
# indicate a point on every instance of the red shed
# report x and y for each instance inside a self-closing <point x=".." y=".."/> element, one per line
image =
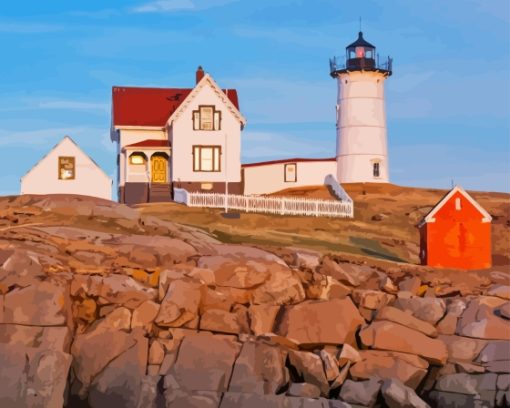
<point x="456" y="233"/>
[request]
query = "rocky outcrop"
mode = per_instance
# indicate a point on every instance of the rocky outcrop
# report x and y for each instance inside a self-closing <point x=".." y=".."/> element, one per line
<point x="134" y="311"/>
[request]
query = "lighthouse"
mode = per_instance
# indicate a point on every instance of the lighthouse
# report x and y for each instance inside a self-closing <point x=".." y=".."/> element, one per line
<point x="361" y="150"/>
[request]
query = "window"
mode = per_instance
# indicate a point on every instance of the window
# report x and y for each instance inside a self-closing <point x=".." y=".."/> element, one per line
<point x="66" y="168"/>
<point x="206" y="158"/>
<point x="290" y="173"/>
<point x="137" y="158"/>
<point x="206" y="118"/>
<point x="458" y="204"/>
<point x="376" y="169"/>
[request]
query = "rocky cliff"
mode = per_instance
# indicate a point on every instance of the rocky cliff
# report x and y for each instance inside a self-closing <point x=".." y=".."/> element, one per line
<point x="102" y="306"/>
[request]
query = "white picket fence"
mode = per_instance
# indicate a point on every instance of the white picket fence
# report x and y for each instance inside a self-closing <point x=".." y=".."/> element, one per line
<point x="268" y="205"/>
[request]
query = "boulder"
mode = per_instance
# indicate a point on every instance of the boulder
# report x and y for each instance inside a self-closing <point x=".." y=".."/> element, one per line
<point x="348" y="355"/>
<point x="411" y="284"/>
<point x="13" y="375"/>
<point x="220" y="321"/>
<point x="313" y="322"/>
<point x="407" y="368"/>
<point x="495" y="351"/>
<point x="260" y="368"/>
<point x="156" y="353"/>
<point x="262" y="318"/>
<point x="447" y="325"/>
<point x="51" y="338"/>
<point x="462" y="348"/>
<point x="251" y="400"/>
<point x="196" y="399"/>
<point x="215" y="355"/>
<point x="504" y="310"/>
<point x="397" y="395"/>
<point x="306" y="259"/>
<point x="304" y="390"/>
<point x="330" y="365"/>
<point x="283" y="287"/>
<point x="371" y="299"/>
<point x="309" y="367"/>
<point x="118" y="319"/>
<point x="326" y="288"/>
<point x="501" y="291"/>
<point x="483" y="385"/>
<point x="406" y="319"/>
<point x="428" y="309"/>
<point x="20" y="268"/>
<point x="145" y="314"/>
<point x="453" y="400"/>
<point x="479" y="320"/>
<point x="180" y="304"/>
<point x="119" y="384"/>
<point x="362" y="392"/>
<point x="349" y="274"/>
<point x="43" y="304"/>
<point x="123" y="290"/>
<point x="391" y="336"/>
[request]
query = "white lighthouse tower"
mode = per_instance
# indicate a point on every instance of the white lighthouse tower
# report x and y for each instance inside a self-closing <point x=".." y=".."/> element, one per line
<point x="361" y="152"/>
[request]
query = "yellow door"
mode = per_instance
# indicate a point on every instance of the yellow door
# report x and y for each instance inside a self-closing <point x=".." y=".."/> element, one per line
<point x="159" y="165"/>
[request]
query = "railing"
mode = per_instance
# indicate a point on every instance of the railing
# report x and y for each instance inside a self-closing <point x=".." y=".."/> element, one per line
<point x="268" y="205"/>
<point x="340" y="63"/>
<point x="337" y="189"/>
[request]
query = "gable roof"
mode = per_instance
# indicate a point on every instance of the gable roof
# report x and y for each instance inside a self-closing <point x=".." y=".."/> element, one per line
<point x="133" y="106"/>
<point x="68" y="138"/>
<point x="228" y="96"/>
<point x="457" y="189"/>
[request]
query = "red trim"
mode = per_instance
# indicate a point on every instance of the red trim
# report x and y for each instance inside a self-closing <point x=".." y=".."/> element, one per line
<point x="266" y="163"/>
<point x="151" y="143"/>
<point x="151" y="106"/>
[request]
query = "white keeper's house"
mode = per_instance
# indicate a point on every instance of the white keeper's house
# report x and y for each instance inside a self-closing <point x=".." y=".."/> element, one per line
<point x="66" y="169"/>
<point x="190" y="138"/>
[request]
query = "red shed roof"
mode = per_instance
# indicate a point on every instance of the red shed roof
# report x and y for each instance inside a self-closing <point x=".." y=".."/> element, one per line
<point x="151" y="143"/>
<point x="151" y="106"/>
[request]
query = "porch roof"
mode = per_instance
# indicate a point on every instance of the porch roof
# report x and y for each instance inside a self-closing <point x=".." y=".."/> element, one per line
<point x="150" y="143"/>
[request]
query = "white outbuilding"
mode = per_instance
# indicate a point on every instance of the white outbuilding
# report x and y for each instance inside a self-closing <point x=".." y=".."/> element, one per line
<point x="66" y="169"/>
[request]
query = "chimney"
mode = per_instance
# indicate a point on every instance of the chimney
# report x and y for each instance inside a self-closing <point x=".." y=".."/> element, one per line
<point x="200" y="74"/>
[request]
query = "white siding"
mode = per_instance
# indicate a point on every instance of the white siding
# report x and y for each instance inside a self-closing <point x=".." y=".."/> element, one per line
<point x="183" y="138"/>
<point x="269" y="178"/>
<point x="89" y="178"/>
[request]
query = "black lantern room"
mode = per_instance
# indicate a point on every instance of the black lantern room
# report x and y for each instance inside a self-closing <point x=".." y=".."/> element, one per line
<point x="360" y="56"/>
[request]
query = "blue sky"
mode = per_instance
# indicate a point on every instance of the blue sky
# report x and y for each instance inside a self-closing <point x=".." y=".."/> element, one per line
<point x="448" y="101"/>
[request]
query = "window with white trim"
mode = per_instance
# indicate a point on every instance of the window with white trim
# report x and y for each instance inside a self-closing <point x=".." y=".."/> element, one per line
<point x="206" y="158"/>
<point x="290" y="172"/>
<point x="66" y="168"/>
<point x="458" y="204"/>
<point x="206" y="118"/>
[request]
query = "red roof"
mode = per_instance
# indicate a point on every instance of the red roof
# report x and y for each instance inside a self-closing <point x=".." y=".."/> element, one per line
<point x="286" y="161"/>
<point x="151" y="106"/>
<point x="151" y="143"/>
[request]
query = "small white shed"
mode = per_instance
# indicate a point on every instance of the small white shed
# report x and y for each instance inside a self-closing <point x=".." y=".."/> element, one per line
<point x="66" y="169"/>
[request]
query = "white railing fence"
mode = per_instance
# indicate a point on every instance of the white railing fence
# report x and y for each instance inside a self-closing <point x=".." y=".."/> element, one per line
<point x="268" y="205"/>
<point x="339" y="191"/>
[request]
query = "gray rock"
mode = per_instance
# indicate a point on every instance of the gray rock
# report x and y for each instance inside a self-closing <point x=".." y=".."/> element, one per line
<point x="119" y="384"/>
<point x="397" y="395"/>
<point x="214" y="355"/>
<point x="471" y="384"/>
<point x="452" y="400"/>
<point x="13" y="375"/>
<point x="149" y="395"/>
<point x="362" y="392"/>
<point x="304" y="390"/>
<point x="494" y="351"/>
<point x="251" y="375"/>
<point x="503" y="399"/>
<point x="504" y="310"/>
<point x="246" y="400"/>
<point x="429" y="309"/>
<point x="503" y="382"/>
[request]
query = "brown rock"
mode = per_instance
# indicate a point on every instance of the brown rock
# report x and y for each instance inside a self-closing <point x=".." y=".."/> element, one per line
<point x="51" y="338"/>
<point x="123" y="290"/>
<point x="281" y="288"/>
<point x="406" y="319"/>
<point x="180" y="304"/>
<point x="118" y="319"/>
<point x="479" y="320"/>
<point x="43" y="304"/>
<point x="447" y="325"/>
<point x="260" y="368"/>
<point x="504" y="310"/>
<point x="390" y="336"/>
<point x="330" y="322"/>
<point x="349" y="274"/>
<point x="348" y="355"/>
<point x="408" y="368"/>
<point x="501" y="291"/>
<point x="462" y="348"/>
<point x="309" y="366"/>
<point x="214" y="299"/>
<point x="428" y="309"/>
<point x="220" y="321"/>
<point x="342" y="376"/>
<point x="411" y="284"/>
<point x="20" y="268"/>
<point x="156" y="353"/>
<point x="262" y="318"/>
<point x="304" y="390"/>
<point x="371" y="299"/>
<point x="85" y="309"/>
<point x="215" y="355"/>
<point x="145" y="314"/>
<point x="330" y="365"/>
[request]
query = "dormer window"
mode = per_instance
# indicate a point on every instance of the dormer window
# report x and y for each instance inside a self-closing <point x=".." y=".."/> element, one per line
<point x="206" y="118"/>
